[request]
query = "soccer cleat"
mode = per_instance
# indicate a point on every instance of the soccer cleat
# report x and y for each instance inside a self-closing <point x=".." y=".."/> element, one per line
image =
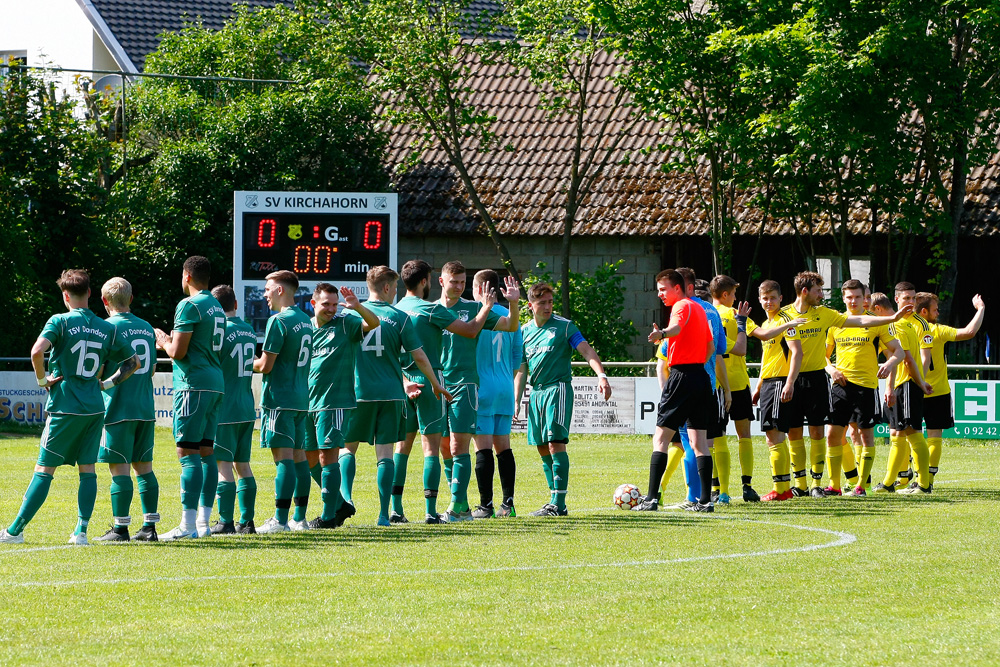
<point x="180" y="533"/>
<point x="506" y="509"/>
<point x="563" y="512"/>
<point x="749" y="495"/>
<point x="397" y="518"/>
<point x="345" y="512"/>
<point x="858" y="492"/>
<point x="298" y="525"/>
<point x="7" y="538"/>
<point x="434" y="519"/>
<point x="682" y="505"/>
<point x="914" y="490"/>
<point x="715" y="496"/>
<point x="246" y="528"/>
<point x="146" y="534"/>
<point x="701" y="507"/>
<point x="646" y="504"/>
<point x="913" y="485"/>
<point x="830" y="491"/>
<point x="204" y="530"/>
<point x="451" y="516"/>
<point x="798" y="493"/>
<point x="772" y="496"/>
<point x="79" y="539"/>
<point x="483" y="512"/>
<point x="319" y="523"/>
<point x="383" y="521"/>
<point x="118" y="534"/>
<point x="882" y="488"/>
<point x="223" y="528"/>
<point x="272" y="525"/>
<point x="816" y="492"/>
<point x="722" y="499"/>
<point x="548" y="509"/>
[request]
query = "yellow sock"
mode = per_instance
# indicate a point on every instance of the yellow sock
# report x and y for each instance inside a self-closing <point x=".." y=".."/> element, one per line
<point x="867" y="461"/>
<point x="904" y="463"/>
<point x="779" y="466"/>
<point x="934" y="446"/>
<point x="849" y="465"/>
<point x="834" y="456"/>
<point x="857" y="451"/>
<point x="798" y="454"/>
<point x="897" y="455"/>
<point x="746" y="460"/>
<point x="723" y="464"/>
<point x="674" y="457"/>
<point x="918" y="446"/>
<point x="817" y="450"/>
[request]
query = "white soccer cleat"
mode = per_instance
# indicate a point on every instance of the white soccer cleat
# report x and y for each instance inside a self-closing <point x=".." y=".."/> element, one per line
<point x="298" y="525"/>
<point x="79" y="539"/>
<point x="7" y="538"/>
<point x="203" y="529"/>
<point x="180" y="533"/>
<point x="272" y="526"/>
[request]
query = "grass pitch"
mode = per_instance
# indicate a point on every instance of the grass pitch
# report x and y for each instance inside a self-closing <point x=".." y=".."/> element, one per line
<point x="837" y="581"/>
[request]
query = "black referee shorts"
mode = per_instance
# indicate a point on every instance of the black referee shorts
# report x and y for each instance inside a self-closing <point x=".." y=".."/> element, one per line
<point x="687" y="397"/>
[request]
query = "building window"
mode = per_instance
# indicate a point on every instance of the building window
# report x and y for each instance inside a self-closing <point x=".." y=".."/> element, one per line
<point x="8" y="58"/>
<point x="832" y="270"/>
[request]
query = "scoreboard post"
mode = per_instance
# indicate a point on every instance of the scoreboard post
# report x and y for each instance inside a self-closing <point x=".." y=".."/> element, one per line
<point x="330" y="237"/>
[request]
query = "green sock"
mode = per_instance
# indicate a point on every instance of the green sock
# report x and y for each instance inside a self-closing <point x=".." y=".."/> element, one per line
<point x="348" y="468"/>
<point x="432" y="480"/>
<point x="462" y="473"/>
<point x="284" y="488"/>
<point x="246" y="494"/>
<point x="303" y="484"/>
<point x="383" y="478"/>
<point x="38" y="489"/>
<point x="560" y="477"/>
<point x="449" y="470"/>
<point x="547" y="468"/>
<point x="149" y="495"/>
<point x="330" y="490"/>
<point x="316" y="472"/>
<point x="121" y="495"/>
<point x="191" y="481"/>
<point x="210" y="480"/>
<point x="399" y="462"/>
<point x="85" y="499"/>
<point x="227" y="500"/>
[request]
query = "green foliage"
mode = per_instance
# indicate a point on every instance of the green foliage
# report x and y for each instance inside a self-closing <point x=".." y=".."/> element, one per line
<point x="598" y="302"/>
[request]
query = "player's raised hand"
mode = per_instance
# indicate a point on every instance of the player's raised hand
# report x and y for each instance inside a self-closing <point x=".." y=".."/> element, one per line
<point x="511" y="289"/>
<point x="903" y="312"/>
<point x="978" y="302"/>
<point x="655" y="336"/>
<point x="489" y="297"/>
<point x="743" y="309"/>
<point x="350" y="298"/>
<point x="604" y="387"/>
<point x="796" y="323"/>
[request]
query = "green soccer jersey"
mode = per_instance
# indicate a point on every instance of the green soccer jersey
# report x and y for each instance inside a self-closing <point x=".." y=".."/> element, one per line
<point x="81" y="343"/>
<point x="331" y="372"/>
<point x="548" y="350"/>
<point x="430" y="319"/>
<point x="201" y="368"/>
<point x="237" y="372"/>
<point x="132" y="401"/>
<point x="378" y="374"/>
<point x="458" y="353"/>
<point x="288" y="335"/>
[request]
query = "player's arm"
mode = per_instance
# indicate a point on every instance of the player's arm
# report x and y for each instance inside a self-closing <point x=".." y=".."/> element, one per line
<point x="762" y="333"/>
<point x="890" y="384"/>
<point x="662" y="371"/>
<point x="351" y="301"/>
<point x="876" y="320"/>
<point x="520" y="378"/>
<point x="265" y="362"/>
<point x="124" y="372"/>
<point x="175" y="344"/>
<point x="424" y="364"/>
<point x="511" y="292"/>
<point x="740" y="344"/>
<point x="38" y="350"/>
<point x="590" y="356"/>
<point x="723" y="375"/>
<point x="916" y="372"/>
<point x="925" y="361"/>
<point x="794" y="364"/>
<point x="888" y="367"/>
<point x="972" y="328"/>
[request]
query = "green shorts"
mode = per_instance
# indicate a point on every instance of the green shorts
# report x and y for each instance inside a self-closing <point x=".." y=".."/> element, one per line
<point x="196" y="415"/>
<point x="426" y="413"/>
<point x="283" y="428"/>
<point x="232" y="442"/>
<point x="550" y="413"/>
<point x="377" y="423"/>
<point x="127" y="442"/>
<point x="463" y="411"/>
<point x="326" y="429"/>
<point x="69" y="440"/>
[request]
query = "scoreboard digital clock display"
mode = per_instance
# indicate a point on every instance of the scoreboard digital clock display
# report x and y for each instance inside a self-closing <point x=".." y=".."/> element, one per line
<point x="328" y="247"/>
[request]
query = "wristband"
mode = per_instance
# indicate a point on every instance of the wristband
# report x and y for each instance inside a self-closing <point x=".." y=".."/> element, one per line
<point x="42" y="381"/>
<point x="107" y="384"/>
<point x="602" y="376"/>
<point x="741" y="323"/>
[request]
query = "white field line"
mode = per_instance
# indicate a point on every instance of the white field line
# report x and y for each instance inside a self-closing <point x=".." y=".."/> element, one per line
<point x="842" y="539"/>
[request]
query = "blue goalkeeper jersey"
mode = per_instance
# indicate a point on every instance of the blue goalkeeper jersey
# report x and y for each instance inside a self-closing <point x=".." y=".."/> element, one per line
<point x="718" y="335"/>
<point x="498" y="356"/>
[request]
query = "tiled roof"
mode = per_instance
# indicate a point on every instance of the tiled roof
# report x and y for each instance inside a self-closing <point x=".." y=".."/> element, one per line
<point x="524" y="186"/>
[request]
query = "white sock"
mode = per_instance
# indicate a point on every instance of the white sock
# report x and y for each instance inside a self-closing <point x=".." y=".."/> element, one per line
<point x="187" y="518"/>
<point x="204" y="514"/>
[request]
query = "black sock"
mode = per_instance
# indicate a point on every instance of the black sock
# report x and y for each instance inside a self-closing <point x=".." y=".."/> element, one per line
<point x="705" y="474"/>
<point x="508" y="471"/>
<point x="484" y="475"/>
<point x="658" y="466"/>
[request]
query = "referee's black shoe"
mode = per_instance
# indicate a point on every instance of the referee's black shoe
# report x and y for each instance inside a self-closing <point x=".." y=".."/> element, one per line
<point x="701" y="507"/>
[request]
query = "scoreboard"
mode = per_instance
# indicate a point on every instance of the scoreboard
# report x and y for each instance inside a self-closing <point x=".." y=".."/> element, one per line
<point x="332" y="237"/>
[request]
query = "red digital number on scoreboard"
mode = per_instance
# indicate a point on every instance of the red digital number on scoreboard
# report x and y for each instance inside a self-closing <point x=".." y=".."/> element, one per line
<point x="373" y="235"/>
<point x="267" y="233"/>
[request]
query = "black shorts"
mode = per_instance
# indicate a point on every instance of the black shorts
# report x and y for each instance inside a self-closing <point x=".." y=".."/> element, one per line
<point x="854" y="403"/>
<point x="881" y="415"/>
<point x="908" y="412"/>
<point x="742" y="407"/>
<point x="811" y="401"/>
<point x="774" y="415"/>
<point x="687" y="397"/>
<point x="718" y="428"/>
<point x="938" y="412"/>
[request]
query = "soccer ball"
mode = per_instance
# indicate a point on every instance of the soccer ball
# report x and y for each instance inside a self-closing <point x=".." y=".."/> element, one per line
<point x="627" y="496"/>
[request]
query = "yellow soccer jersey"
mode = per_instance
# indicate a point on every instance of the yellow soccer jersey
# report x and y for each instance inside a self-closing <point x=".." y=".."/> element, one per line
<point x="736" y="366"/>
<point x="812" y="334"/>
<point x="775" y="360"/>
<point x="857" y="352"/>
<point x="911" y="332"/>
<point x="938" y="373"/>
